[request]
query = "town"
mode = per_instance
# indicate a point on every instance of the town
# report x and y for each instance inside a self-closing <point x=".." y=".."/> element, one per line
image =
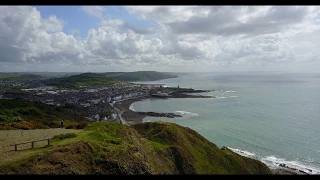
<point x="96" y="101"/>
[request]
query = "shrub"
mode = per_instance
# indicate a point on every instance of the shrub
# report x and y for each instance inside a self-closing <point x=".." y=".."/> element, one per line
<point x="28" y="125"/>
<point x="3" y="118"/>
<point x="64" y="136"/>
<point x="17" y="119"/>
<point x="76" y="125"/>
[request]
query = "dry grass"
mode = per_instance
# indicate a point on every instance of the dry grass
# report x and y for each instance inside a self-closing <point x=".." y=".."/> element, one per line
<point x="8" y="137"/>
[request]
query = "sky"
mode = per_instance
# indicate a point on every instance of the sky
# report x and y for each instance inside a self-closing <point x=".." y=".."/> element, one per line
<point x="159" y="38"/>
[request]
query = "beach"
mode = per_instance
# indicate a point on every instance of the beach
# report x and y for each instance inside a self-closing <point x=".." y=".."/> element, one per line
<point x="131" y="117"/>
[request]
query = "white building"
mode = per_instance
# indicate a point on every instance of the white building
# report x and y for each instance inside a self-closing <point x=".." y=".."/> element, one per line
<point x="113" y="116"/>
<point x="108" y="99"/>
<point x="97" y="117"/>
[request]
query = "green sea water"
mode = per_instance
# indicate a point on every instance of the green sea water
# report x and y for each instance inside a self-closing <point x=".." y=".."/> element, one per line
<point x="270" y="116"/>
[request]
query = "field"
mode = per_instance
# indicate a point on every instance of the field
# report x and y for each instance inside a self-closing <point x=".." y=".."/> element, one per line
<point x="19" y="77"/>
<point x="140" y="75"/>
<point x="83" y="79"/>
<point x="8" y="137"/>
<point x="9" y="75"/>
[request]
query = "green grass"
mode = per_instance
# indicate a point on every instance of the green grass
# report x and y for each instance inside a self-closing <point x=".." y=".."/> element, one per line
<point x="140" y="75"/>
<point x="83" y="79"/>
<point x="12" y="89"/>
<point x="147" y="148"/>
<point x="15" y="110"/>
<point x="19" y="77"/>
<point x="8" y="137"/>
<point x="198" y="150"/>
<point x="9" y="75"/>
<point x="64" y="136"/>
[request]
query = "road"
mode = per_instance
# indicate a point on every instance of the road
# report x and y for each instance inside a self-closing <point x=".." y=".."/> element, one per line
<point x="120" y="117"/>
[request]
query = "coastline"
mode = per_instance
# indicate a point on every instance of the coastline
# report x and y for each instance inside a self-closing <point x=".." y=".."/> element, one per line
<point x="286" y="171"/>
<point x="131" y="117"/>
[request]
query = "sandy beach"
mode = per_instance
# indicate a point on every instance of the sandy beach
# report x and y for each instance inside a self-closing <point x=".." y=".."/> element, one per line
<point x="131" y="117"/>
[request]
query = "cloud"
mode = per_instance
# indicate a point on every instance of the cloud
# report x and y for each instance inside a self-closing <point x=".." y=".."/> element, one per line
<point x="186" y="38"/>
<point x="28" y="38"/>
<point x="118" y="24"/>
<point x="96" y="11"/>
<point x="229" y="20"/>
<point x="236" y="34"/>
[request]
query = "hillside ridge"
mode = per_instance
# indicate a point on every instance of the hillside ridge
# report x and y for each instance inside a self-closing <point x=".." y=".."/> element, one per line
<point x="146" y="148"/>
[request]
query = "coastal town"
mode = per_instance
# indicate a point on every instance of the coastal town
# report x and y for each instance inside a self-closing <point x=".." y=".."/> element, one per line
<point x="97" y="102"/>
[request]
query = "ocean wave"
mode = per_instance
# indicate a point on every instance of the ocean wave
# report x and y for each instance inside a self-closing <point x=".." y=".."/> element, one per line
<point x="273" y="161"/>
<point x="131" y="108"/>
<point x="186" y="114"/>
<point x="221" y="97"/>
<point x="229" y="91"/>
<point x="242" y="152"/>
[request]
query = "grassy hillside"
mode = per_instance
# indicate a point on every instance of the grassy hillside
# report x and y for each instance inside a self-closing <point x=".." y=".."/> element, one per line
<point x="19" y="77"/>
<point x="147" y="148"/>
<point x="140" y="75"/>
<point x="21" y="114"/>
<point x="82" y="80"/>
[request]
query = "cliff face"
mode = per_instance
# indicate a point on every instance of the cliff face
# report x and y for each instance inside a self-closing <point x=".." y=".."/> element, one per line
<point x="147" y="148"/>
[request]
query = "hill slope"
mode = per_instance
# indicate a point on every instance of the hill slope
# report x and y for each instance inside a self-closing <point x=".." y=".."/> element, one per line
<point x="22" y="114"/>
<point x="82" y="80"/>
<point x="147" y="148"/>
<point x="140" y="76"/>
<point x="20" y="77"/>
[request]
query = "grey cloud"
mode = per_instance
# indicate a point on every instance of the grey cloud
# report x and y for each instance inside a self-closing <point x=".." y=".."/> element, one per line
<point x="122" y="25"/>
<point x="186" y="53"/>
<point x="138" y="30"/>
<point x="224" y="21"/>
<point x="201" y="36"/>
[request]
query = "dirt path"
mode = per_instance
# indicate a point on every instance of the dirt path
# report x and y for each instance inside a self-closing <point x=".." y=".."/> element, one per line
<point x="8" y="137"/>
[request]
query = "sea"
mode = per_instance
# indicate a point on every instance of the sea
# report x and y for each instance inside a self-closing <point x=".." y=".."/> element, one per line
<point x="273" y="117"/>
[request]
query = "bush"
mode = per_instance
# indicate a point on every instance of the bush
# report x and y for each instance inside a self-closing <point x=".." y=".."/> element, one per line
<point x="3" y="118"/>
<point x="54" y="125"/>
<point x="64" y="136"/>
<point x="28" y="125"/>
<point x="76" y="125"/>
<point x="17" y="119"/>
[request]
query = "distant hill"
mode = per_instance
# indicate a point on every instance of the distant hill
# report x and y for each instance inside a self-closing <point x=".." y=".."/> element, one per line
<point x="145" y="148"/>
<point x="20" y="77"/>
<point x="140" y="75"/>
<point x="82" y="80"/>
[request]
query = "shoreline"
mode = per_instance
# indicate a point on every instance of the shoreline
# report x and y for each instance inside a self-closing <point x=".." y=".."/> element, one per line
<point x="287" y="171"/>
<point x="131" y="117"/>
